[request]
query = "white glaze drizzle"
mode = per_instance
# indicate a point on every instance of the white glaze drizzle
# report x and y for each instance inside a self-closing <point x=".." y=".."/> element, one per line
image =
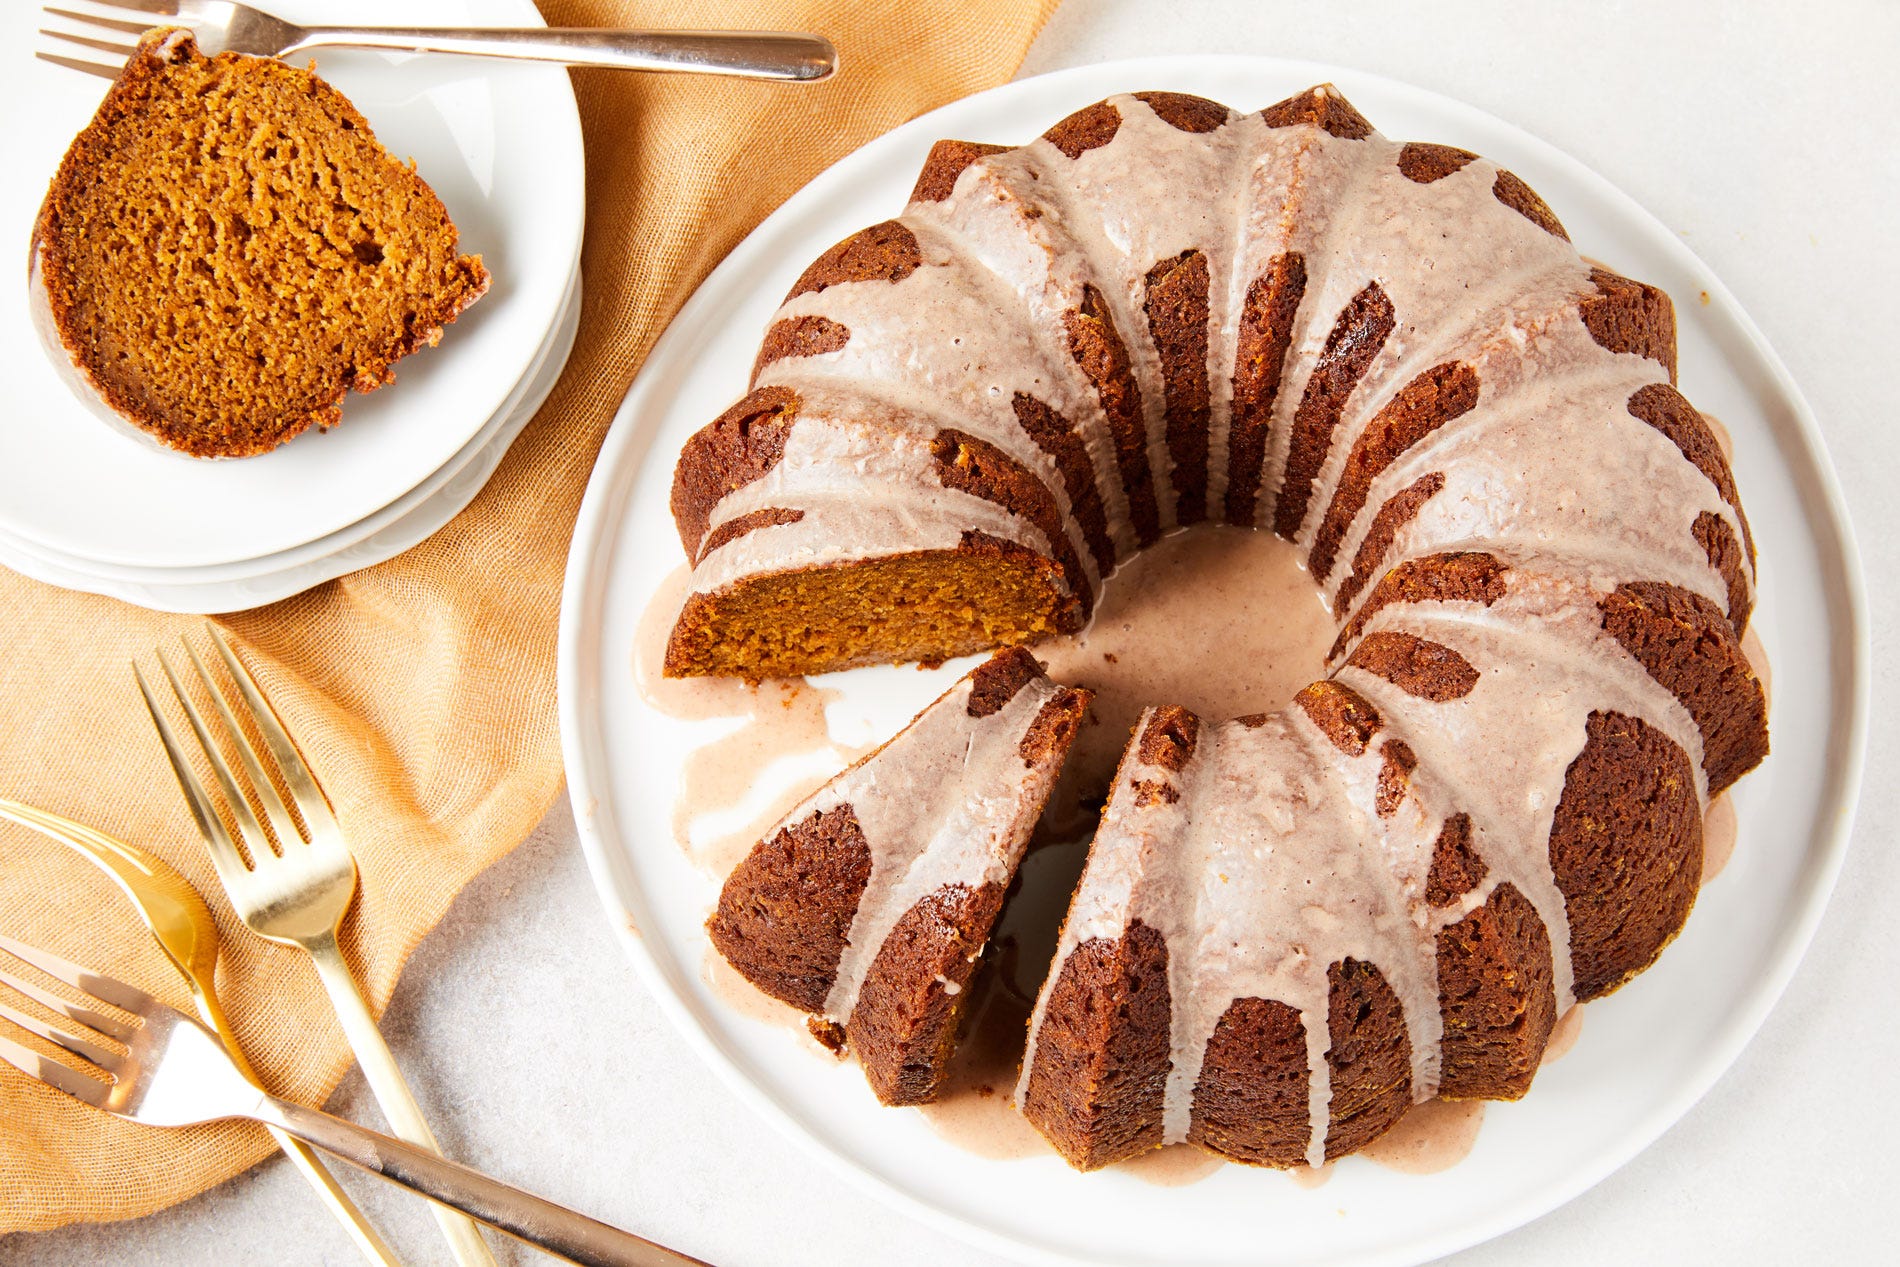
<point x="1263" y="874"/>
<point x="949" y="800"/>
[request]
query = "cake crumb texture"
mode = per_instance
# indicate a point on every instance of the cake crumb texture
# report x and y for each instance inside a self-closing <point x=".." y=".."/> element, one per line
<point x="227" y="251"/>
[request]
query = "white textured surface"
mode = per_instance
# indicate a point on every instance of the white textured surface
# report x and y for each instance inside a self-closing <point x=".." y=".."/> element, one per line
<point x="1763" y="134"/>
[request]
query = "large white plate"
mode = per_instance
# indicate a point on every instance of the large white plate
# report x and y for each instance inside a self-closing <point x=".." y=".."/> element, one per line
<point x="1644" y="1056"/>
<point x="500" y="142"/>
<point x="409" y="520"/>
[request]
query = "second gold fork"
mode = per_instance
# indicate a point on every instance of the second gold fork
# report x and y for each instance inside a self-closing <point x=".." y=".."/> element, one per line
<point x="297" y="897"/>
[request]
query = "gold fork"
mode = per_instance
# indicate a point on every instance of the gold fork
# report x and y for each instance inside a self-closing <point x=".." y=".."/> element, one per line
<point x="181" y="924"/>
<point x="299" y="897"/>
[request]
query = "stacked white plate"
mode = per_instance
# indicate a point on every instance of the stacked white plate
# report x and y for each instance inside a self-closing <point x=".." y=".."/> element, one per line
<point x="88" y="508"/>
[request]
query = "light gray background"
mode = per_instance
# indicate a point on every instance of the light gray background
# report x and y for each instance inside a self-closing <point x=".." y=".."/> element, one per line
<point x="1765" y="134"/>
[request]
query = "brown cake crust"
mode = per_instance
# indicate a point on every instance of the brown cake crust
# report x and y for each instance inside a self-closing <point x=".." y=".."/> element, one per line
<point x="1456" y="867"/>
<point x="1355" y="339"/>
<point x="1626" y="849"/>
<point x="1266" y="332"/>
<point x="735" y="449"/>
<point x="1521" y="198"/>
<point x="1459" y="576"/>
<point x="1341" y="713"/>
<point x="1100" y="1073"/>
<point x="1424" y="162"/>
<point x="366" y="273"/>
<point x="979" y="468"/>
<point x="996" y="681"/>
<point x="785" y="912"/>
<point x="1370" y="1058"/>
<point x="1399" y="509"/>
<point x="1324" y="108"/>
<point x="1057" y="436"/>
<point x="1497" y="997"/>
<point x="1088" y="128"/>
<point x="1666" y="409"/>
<point x="904" y="1025"/>
<point x="884" y="252"/>
<point x="1628" y="316"/>
<point x="738" y="526"/>
<point x="799" y="336"/>
<point x="1098" y="349"/>
<point x="1186" y="112"/>
<point x="1055" y="727"/>
<point x="946" y="162"/>
<point x="1250" y="1102"/>
<point x="1688" y="645"/>
<point x="1724" y="552"/>
<point x="1415" y="665"/>
<point x="1177" y="307"/>
<point x="1396" y="763"/>
<point x="1421" y="407"/>
<point x="1168" y="738"/>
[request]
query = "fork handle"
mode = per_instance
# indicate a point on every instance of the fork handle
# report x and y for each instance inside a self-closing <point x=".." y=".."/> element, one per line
<point x="360" y="1230"/>
<point x="386" y="1083"/>
<point x="504" y="1207"/>
<point x="751" y="54"/>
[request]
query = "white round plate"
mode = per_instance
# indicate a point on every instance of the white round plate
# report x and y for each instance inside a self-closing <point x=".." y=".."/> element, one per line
<point x="398" y="518"/>
<point x="500" y="142"/>
<point x="406" y="522"/>
<point x="1644" y="1055"/>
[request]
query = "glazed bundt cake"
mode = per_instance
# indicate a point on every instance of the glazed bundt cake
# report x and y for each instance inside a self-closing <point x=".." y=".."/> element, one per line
<point x="1291" y="927"/>
<point x="870" y="904"/>
<point x="226" y="251"/>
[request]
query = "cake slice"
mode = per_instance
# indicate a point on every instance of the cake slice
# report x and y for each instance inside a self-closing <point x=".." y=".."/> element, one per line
<point x="226" y="250"/>
<point x="869" y="905"/>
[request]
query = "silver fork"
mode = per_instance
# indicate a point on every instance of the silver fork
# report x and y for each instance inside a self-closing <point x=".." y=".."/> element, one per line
<point x="182" y="927"/>
<point x="223" y="25"/>
<point x="297" y="897"/>
<point x="174" y="1072"/>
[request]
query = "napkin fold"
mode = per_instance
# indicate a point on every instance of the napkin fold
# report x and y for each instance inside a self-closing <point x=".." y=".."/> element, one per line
<point x="422" y="690"/>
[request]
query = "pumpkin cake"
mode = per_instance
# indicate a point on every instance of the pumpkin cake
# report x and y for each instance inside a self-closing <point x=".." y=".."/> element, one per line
<point x="1293" y="926"/>
<point x="869" y="905"/>
<point x="226" y="251"/>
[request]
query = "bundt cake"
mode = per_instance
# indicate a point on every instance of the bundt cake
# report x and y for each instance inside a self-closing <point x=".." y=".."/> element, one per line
<point x="226" y="251"/>
<point x="1291" y="927"/>
<point x="869" y="905"/>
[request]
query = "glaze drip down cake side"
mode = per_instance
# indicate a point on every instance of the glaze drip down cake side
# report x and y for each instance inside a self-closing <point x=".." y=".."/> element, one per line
<point x="869" y="906"/>
<point x="1291" y="926"/>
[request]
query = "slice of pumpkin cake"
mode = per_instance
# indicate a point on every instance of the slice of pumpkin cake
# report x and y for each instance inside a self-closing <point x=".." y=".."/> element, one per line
<point x="870" y="903"/>
<point x="226" y="251"/>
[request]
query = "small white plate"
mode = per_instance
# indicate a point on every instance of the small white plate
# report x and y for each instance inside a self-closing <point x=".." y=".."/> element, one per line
<point x="527" y="395"/>
<point x="408" y="521"/>
<point x="1644" y="1056"/>
<point x="500" y="142"/>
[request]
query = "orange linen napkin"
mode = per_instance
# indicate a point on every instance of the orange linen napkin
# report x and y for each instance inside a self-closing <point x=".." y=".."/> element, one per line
<point x="423" y="689"/>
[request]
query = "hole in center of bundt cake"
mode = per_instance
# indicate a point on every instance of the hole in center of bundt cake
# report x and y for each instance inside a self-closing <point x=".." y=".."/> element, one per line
<point x="1221" y="621"/>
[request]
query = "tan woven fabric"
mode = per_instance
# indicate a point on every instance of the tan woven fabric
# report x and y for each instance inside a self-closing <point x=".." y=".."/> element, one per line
<point x="423" y="689"/>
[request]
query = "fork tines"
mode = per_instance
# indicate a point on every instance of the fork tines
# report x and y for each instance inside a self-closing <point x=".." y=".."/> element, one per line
<point x="84" y="1044"/>
<point x="284" y="760"/>
<point x="115" y="36"/>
